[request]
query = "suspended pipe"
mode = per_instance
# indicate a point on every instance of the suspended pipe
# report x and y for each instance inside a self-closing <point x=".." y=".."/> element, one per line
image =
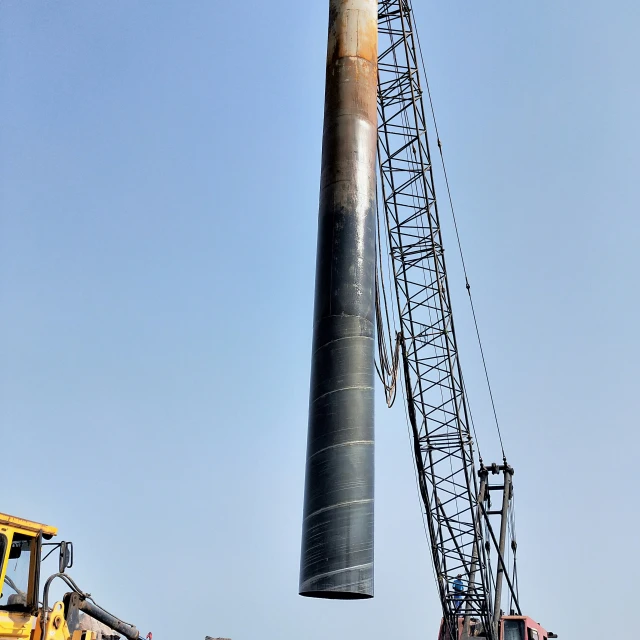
<point x="337" y="531"/>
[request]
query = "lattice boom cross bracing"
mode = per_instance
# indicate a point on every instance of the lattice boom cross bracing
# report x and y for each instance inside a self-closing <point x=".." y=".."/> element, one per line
<point x="436" y="398"/>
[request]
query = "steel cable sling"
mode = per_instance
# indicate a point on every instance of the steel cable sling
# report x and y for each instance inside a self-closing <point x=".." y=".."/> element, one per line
<point x="435" y="394"/>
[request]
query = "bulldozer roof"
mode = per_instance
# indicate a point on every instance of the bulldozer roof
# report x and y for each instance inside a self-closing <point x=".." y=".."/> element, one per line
<point x="27" y="525"/>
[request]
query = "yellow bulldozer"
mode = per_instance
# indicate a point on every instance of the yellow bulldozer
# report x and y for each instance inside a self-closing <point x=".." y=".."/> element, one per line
<point x="25" y="611"/>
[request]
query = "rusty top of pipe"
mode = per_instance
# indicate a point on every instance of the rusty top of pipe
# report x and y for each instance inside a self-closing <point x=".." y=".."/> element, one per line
<point x="353" y="30"/>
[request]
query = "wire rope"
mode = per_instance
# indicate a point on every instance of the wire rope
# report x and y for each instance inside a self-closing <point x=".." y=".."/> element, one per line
<point x="455" y="224"/>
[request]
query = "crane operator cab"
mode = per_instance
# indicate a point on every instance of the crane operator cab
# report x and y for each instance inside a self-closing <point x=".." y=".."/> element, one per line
<point x="522" y="628"/>
<point x="511" y="628"/>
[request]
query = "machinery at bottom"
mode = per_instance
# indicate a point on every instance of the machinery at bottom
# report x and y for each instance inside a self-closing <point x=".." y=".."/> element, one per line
<point x="22" y="613"/>
<point x="510" y="628"/>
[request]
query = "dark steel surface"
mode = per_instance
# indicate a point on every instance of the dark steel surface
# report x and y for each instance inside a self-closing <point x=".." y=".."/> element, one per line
<point x="337" y="532"/>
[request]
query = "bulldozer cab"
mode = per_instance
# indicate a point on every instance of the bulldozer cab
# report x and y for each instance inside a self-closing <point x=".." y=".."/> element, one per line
<point x="22" y="615"/>
<point x="18" y="580"/>
<point x="20" y="551"/>
<point x="20" y="548"/>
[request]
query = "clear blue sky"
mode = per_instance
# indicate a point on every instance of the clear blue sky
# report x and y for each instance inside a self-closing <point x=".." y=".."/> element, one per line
<point x="159" y="172"/>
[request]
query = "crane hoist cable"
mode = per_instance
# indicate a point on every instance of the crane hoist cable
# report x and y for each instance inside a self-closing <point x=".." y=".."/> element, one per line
<point x="388" y="367"/>
<point x="462" y="260"/>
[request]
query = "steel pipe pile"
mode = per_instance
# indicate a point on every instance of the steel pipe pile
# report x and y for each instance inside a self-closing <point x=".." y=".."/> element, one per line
<point x="337" y="536"/>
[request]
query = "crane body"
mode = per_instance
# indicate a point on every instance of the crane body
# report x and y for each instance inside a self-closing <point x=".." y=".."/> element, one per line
<point x="468" y="514"/>
<point x="511" y="628"/>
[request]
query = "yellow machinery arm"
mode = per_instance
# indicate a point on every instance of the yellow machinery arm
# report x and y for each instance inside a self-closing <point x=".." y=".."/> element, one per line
<point x="22" y="615"/>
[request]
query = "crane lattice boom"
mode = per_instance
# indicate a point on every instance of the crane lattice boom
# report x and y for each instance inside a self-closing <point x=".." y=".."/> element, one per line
<point x="434" y="385"/>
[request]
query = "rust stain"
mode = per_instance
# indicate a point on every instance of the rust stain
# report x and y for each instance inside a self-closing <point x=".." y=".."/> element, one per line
<point x="353" y="30"/>
<point x="352" y="88"/>
<point x="368" y="37"/>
